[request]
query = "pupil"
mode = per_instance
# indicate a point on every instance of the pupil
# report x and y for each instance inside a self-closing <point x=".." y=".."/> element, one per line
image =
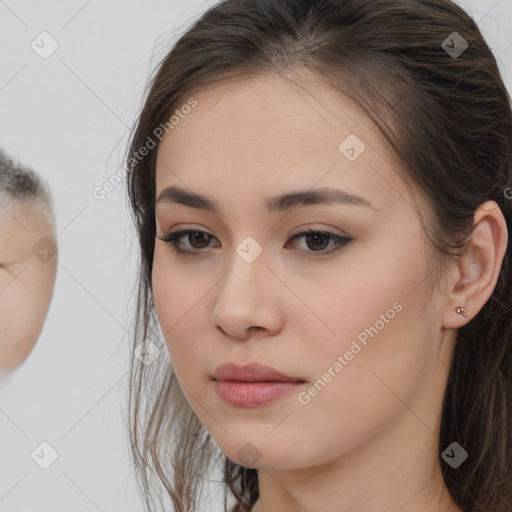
<point x="316" y="236"/>
<point x="200" y="235"/>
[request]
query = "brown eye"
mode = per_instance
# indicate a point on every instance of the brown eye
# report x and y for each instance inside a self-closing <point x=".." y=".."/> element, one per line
<point x="197" y="240"/>
<point x="199" y="237"/>
<point x="316" y="241"/>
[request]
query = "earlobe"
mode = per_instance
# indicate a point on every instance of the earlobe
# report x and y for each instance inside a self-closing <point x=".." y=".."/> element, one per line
<point x="479" y="266"/>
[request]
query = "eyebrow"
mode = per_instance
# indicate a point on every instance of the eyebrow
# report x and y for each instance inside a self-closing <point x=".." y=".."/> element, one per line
<point x="280" y="203"/>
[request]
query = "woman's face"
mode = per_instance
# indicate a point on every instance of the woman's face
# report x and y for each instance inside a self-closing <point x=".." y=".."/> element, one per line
<point x="351" y="319"/>
<point x="28" y="266"/>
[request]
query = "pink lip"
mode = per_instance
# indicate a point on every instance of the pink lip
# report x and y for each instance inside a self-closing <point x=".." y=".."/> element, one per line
<point x="253" y="384"/>
<point x="252" y="372"/>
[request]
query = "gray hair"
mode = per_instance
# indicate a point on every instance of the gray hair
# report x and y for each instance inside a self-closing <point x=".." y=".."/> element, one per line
<point x="21" y="185"/>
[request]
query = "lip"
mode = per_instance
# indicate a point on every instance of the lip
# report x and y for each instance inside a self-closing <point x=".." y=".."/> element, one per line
<point x="252" y="372"/>
<point x="252" y="385"/>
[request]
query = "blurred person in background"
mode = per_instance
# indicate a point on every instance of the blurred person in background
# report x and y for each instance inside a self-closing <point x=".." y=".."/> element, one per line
<point x="28" y="260"/>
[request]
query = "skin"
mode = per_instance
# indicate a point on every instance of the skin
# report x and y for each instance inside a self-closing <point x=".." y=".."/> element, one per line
<point x="26" y="282"/>
<point x="369" y="440"/>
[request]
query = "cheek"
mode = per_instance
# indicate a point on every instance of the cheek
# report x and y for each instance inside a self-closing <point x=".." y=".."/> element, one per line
<point x="376" y="305"/>
<point x="360" y="377"/>
<point x="376" y="357"/>
<point x="365" y="300"/>
<point x="179" y="298"/>
<point x="170" y="293"/>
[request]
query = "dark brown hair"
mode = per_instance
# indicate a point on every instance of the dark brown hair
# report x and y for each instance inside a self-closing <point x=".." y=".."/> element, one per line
<point x="448" y="121"/>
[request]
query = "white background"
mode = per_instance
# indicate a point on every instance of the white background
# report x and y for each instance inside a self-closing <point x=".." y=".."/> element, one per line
<point x="68" y="117"/>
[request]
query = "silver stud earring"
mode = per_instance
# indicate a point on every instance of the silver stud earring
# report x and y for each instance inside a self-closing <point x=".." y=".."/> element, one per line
<point x="460" y="310"/>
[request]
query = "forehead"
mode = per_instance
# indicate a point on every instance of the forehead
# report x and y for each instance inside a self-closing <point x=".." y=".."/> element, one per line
<point x="272" y="133"/>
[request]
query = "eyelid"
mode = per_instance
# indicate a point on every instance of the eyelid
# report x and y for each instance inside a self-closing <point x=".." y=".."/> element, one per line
<point x="304" y="228"/>
<point x="308" y="228"/>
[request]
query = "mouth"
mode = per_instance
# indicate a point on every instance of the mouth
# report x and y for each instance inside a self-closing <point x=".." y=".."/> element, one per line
<point x="252" y="385"/>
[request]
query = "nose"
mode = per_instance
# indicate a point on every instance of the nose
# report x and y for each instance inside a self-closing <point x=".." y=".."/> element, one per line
<point x="248" y="300"/>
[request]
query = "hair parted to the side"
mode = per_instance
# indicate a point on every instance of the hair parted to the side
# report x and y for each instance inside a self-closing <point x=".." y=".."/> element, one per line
<point x="449" y="123"/>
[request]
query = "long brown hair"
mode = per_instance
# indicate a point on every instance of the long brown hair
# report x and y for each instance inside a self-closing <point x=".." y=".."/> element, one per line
<point x="443" y="109"/>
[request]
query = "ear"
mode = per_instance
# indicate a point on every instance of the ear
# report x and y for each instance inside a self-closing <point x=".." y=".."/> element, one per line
<point x="477" y="270"/>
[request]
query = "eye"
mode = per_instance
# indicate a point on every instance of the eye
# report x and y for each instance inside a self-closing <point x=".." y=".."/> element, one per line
<point x="199" y="237"/>
<point x="316" y="240"/>
<point x="319" y="240"/>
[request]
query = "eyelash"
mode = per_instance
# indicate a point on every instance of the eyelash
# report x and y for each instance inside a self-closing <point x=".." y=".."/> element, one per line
<point x="173" y="240"/>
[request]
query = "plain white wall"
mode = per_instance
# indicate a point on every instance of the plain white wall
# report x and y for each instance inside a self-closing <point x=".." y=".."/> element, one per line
<point x="68" y="116"/>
